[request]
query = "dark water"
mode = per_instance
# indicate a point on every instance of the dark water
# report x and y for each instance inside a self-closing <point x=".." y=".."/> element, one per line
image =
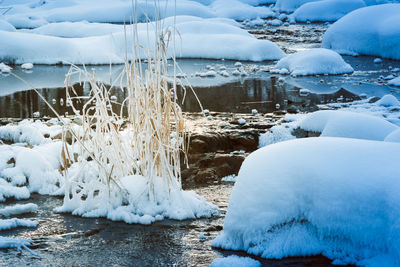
<point x="67" y="240"/>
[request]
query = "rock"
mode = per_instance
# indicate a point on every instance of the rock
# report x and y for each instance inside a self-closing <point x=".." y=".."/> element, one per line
<point x="373" y="99"/>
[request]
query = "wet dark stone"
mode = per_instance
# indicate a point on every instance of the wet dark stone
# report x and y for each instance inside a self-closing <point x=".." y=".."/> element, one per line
<point x="373" y="99"/>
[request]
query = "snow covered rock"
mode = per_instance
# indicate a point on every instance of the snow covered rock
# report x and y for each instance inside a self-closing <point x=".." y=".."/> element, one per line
<point x="394" y="82"/>
<point x="314" y="61"/>
<point x="238" y="10"/>
<point x="371" y="30"/>
<point x="340" y="200"/>
<point x="336" y="123"/>
<point x="327" y="10"/>
<point x="388" y="101"/>
<point x="218" y="38"/>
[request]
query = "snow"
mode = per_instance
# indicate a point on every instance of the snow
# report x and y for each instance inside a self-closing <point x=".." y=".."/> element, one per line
<point x="5" y="68"/>
<point x="9" y="242"/>
<point x="393" y="136"/>
<point x="6" y="26"/>
<point x="327" y="10"/>
<point x="18" y="209"/>
<point x="137" y="207"/>
<point x="27" y="66"/>
<point x="314" y="61"/>
<point x="394" y="82"/>
<point x="289" y="6"/>
<point x="219" y="39"/>
<point x="237" y="10"/>
<point x="236" y="261"/>
<point x="388" y="101"/>
<point x="7" y="224"/>
<point x="341" y="201"/>
<point x="372" y="30"/>
<point x="347" y="124"/>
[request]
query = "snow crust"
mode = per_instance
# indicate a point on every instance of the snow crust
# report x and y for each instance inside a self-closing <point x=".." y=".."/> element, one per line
<point x="314" y="61"/>
<point x="105" y="43"/>
<point x="341" y="201"/>
<point x="372" y="30"/>
<point x="236" y="261"/>
<point x="327" y="10"/>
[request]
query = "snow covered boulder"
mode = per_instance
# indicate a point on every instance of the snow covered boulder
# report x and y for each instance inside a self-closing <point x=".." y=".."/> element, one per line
<point x="388" y="101"/>
<point x="332" y="196"/>
<point x="238" y="10"/>
<point x="336" y="123"/>
<point x="314" y="61"/>
<point x="327" y="10"/>
<point x="371" y="30"/>
<point x="394" y="82"/>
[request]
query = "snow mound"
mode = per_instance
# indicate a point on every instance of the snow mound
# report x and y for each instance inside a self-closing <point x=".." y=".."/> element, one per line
<point x="388" y="101"/>
<point x="335" y="123"/>
<point x="219" y="39"/>
<point x="236" y="261"/>
<point x="14" y="222"/>
<point x="371" y="30"/>
<point x="6" y="26"/>
<point x="18" y="209"/>
<point x="327" y="10"/>
<point x="238" y="10"/>
<point x="314" y="61"/>
<point x="133" y="205"/>
<point x="395" y="82"/>
<point x="340" y="200"/>
<point x="289" y="6"/>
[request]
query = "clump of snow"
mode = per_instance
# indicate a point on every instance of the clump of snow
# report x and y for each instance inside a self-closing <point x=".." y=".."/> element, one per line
<point x="332" y="196"/>
<point x="229" y="178"/>
<point x="238" y="10"/>
<point x="27" y="66"/>
<point x="388" y="101"/>
<point x="327" y="10"/>
<point x="9" y="242"/>
<point x="7" y="224"/>
<point x="236" y="261"/>
<point x="5" y="68"/>
<point x="314" y="61"/>
<point x="133" y="205"/>
<point x="18" y="209"/>
<point x="241" y="121"/>
<point x="371" y="30"/>
<point x="219" y="38"/>
<point x="378" y="60"/>
<point x="275" y="22"/>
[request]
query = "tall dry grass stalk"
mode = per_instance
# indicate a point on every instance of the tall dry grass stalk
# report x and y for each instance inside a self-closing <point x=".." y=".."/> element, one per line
<point x="145" y="137"/>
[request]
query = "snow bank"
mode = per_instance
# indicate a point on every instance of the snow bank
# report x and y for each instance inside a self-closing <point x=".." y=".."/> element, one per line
<point x="340" y="200"/>
<point x="18" y="209"/>
<point x="371" y="30"/>
<point x="238" y="10"/>
<point x="6" y="26"/>
<point x="236" y="261"/>
<point x="219" y="39"/>
<point x="314" y="61"/>
<point x="327" y="10"/>
<point x="335" y="123"/>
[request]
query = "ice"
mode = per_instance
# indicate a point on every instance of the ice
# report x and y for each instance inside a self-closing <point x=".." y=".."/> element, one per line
<point x="340" y="200"/>
<point x="371" y="30"/>
<point x="314" y="61"/>
<point x="327" y="10"/>
<point x="236" y="261"/>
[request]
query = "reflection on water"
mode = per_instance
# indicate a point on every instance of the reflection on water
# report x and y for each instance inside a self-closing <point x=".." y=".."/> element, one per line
<point x="240" y="97"/>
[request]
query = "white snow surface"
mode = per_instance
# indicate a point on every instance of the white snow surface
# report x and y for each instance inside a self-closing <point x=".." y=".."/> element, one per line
<point x="236" y="261"/>
<point x="393" y="136"/>
<point x="314" y="61"/>
<point x="289" y="6"/>
<point x="326" y="10"/>
<point x="104" y="43"/>
<point x="18" y="209"/>
<point x="395" y="82"/>
<point x="340" y="200"/>
<point x="372" y="30"/>
<point x="6" y="26"/>
<point x="7" y="224"/>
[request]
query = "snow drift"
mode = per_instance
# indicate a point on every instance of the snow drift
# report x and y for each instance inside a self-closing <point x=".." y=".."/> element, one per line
<point x="371" y="30"/>
<point x="314" y="61"/>
<point x="341" y="201"/>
